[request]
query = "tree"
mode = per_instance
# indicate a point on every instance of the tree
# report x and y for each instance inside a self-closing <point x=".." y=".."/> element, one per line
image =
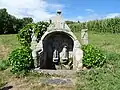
<point x="10" y="24"/>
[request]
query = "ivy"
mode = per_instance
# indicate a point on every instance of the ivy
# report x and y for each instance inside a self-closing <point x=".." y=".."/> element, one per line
<point x="24" y="36"/>
<point x="21" y="58"/>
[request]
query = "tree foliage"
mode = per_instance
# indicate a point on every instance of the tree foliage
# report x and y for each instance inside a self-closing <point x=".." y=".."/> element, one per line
<point x="10" y="24"/>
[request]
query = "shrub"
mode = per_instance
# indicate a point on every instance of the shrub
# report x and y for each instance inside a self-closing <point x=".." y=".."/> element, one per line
<point x="4" y="64"/>
<point x="21" y="60"/>
<point x="92" y="57"/>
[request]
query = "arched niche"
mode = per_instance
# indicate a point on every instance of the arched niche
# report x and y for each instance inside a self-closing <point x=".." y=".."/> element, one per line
<point x="52" y="41"/>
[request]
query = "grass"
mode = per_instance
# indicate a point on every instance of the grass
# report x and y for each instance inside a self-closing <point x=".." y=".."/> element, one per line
<point x="105" y="41"/>
<point x="4" y="64"/>
<point x="7" y="44"/>
<point x="105" y="78"/>
<point x="30" y="82"/>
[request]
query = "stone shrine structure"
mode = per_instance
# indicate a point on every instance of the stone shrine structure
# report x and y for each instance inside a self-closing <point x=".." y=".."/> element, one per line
<point x="58" y="48"/>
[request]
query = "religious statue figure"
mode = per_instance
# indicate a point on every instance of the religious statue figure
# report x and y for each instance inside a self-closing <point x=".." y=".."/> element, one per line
<point x="55" y="56"/>
<point x="34" y="40"/>
<point x="64" y="55"/>
<point x="33" y="47"/>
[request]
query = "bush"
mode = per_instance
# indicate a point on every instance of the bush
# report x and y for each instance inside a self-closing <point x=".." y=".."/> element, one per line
<point x="4" y="64"/>
<point x="92" y="57"/>
<point x="21" y="60"/>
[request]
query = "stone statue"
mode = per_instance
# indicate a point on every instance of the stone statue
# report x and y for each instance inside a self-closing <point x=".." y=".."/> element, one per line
<point x="34" y="40"/>
<point x="33" y="47"/>
<point x="55" y="56"/>
<point x="58" y="36"/>
<point x="64" y="55"/>
<point x="84" y="36"/>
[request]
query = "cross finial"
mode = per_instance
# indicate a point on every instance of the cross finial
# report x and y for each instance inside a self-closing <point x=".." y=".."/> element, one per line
<point x="59" y="12"/>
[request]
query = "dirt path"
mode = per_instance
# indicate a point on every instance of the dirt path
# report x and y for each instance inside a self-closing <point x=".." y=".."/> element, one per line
<point x="36" y="82"/>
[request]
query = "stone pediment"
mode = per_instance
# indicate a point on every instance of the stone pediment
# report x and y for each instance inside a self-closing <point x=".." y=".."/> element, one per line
<point x="58" y="23"/>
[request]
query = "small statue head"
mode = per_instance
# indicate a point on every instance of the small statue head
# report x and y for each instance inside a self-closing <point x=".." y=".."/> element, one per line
<point x="65" y="46"/>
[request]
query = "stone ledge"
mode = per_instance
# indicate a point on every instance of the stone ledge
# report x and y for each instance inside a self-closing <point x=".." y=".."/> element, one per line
<point x="56" y="72"/>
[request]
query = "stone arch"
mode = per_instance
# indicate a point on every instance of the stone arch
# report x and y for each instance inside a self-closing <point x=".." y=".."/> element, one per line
<point x="55" y="40"/>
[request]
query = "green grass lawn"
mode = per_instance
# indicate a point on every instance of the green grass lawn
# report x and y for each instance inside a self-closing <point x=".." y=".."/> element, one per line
<point x="7" y="44"/>
<point x="105" y="78"/>
<point x="105" y="41"/>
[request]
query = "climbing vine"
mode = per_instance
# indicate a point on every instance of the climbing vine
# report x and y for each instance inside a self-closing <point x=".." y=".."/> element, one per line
<point x="21" y="58"/>
<point x="24" y="36"/>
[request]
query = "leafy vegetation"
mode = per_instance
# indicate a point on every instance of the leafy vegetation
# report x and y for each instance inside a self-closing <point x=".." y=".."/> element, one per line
<point x="10" y="24"/>
<point x="106" y="78"/>
<point x="24" y="36"/>
<point x="104" y="41"/>
<point x="92" y="57"/>
<point x="111" y="25"/>
<point x="21" y="60"/>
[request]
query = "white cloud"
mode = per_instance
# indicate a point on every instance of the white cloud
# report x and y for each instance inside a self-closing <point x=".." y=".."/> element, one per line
<point x="92" y="15"/>
<point x="90" y="10"/>
<point x="112" y="15"/>
<point x="37" y="9"/>
<point x="80" y="17"/>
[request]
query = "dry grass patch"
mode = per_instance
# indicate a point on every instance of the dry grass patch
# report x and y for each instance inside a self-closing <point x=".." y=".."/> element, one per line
<point x="30" y="82"/>
<point x="4" y="51"/>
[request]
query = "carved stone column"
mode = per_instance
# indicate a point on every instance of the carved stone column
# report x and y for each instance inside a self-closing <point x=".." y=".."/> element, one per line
<point x="84" y="36"/>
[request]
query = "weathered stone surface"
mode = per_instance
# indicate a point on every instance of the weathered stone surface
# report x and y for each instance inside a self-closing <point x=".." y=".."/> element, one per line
<point x="84" y="36"/>
<point x="59" y="73"/>
<point x="56" y="38"/>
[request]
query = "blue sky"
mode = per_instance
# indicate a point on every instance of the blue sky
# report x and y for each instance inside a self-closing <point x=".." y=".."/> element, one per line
<point x="89" y="9"/>
<point x="82" y="10"/>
